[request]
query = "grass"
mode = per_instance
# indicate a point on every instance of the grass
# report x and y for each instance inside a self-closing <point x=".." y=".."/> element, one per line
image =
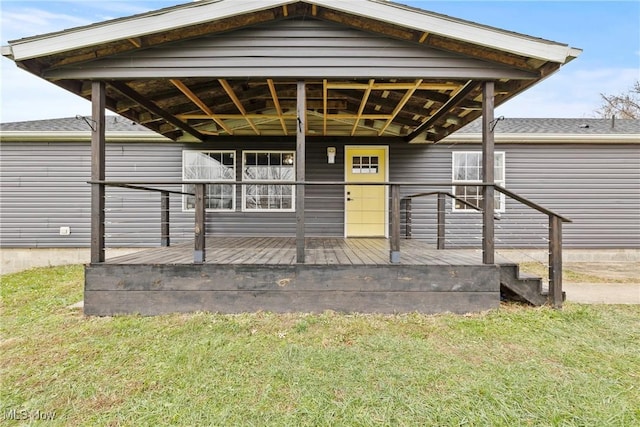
<point x="513" y="366"/>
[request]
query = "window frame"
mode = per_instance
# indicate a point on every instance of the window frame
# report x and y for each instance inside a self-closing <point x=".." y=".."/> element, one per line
<point x="191" y="180"/>
<point x="243" y="206"/>
<point x="500" y="180"/>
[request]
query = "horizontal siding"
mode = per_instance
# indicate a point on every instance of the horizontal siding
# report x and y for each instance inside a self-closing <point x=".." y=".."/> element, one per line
<point x="43" y="187"/>
<point x="291" y="48"/>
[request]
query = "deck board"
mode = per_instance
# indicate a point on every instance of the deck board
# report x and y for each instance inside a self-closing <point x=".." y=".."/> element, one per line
<point x="319" y="251"/>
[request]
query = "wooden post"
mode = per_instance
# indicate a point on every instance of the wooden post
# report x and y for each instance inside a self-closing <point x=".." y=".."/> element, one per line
<point x="300" y="170"/>
<point x="441" y="225"/>
<point x="555" y="261"/>
<point x="407" y="215"/>
<point x="488" y="245"/>
<point x="199" y="249"/>
<point x="98" y="102"/>
<point x="164" y="219"/>
<point x="394" y="253"/>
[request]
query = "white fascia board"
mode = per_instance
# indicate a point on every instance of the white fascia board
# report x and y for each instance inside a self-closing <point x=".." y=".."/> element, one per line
<point x="79" y="136"/>
<point x="154" y="22"/>
<point x="543" y="138"/>
<point x="456" y="29"/>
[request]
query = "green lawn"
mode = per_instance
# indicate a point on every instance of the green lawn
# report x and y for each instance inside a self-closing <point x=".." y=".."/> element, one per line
<point x="513" y="366"/>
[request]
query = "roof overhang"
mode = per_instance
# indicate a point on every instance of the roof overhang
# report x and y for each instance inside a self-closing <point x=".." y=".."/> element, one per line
<point x="355" y="102"/>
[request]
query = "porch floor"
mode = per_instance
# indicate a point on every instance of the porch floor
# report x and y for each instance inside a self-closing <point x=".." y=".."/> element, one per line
<point x="318" y="251"/>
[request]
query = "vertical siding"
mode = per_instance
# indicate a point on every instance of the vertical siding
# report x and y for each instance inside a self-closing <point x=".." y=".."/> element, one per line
<point x="43" y="187"/>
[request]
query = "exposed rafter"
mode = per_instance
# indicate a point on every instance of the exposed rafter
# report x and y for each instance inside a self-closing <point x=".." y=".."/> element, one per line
<point x="276" y="103"/>
<point x="400" y="105"/>
<point x="456" y="98"/>
<point x="227" y="88"/>
<point x="363" y="104"/>
<point x="153" y="108"/>
<point x="204" y="107"/>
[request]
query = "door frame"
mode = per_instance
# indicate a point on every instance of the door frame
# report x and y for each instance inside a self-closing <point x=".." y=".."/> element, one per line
<point x="386" y="179"/>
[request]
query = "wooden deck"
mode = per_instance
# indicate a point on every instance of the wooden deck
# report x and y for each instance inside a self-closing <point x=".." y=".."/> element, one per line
<point x="253" y="274"/>
<point x="319" y="251"/>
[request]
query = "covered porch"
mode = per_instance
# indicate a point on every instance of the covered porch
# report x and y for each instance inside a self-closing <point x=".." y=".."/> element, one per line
<point x="237" y="78"/>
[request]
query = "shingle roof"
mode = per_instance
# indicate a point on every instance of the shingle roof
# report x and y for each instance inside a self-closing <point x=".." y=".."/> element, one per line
<point x="506" y="126"/>
<point x="72" y="124"/>
<point x="559" y="126"/>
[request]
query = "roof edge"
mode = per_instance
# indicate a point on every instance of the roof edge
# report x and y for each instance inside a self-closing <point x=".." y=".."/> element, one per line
<point x="548" y="138"/>
<point x="78" y="136"/>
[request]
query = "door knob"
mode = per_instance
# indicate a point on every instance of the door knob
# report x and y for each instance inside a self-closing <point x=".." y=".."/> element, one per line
<point x="349" y="199"/>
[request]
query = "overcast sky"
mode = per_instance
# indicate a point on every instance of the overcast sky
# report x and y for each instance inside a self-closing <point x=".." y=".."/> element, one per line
<point x="607" y="31"/>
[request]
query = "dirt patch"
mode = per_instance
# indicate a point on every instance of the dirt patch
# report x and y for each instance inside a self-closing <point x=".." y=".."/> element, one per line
<point x="618" y="272"/>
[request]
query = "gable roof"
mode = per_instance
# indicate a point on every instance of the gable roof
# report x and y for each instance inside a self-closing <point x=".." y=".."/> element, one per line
<point x="373" y="68"/>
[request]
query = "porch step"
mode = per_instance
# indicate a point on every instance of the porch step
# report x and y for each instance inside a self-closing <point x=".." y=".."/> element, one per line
<point x="521" y="287"/>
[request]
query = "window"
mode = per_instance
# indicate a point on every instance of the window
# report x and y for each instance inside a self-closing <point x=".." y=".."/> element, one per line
<point x="268" y="166"/>
<point x="365" y="164"/>
<point x="467" y="167"/>
<point x="209" y="166"/>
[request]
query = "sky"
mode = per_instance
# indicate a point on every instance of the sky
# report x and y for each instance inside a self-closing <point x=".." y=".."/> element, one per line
<point x="608" y="32"/>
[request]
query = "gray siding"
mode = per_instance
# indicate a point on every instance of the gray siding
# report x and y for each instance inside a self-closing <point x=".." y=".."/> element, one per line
<point x="43" y="187"/>
<point x="291" y="48"/>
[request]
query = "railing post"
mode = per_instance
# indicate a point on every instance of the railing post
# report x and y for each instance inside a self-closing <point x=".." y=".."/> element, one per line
<point x="555" y="261"/>
<point x="98" y="162"/>
<point x="441" y="224"/>
<point x="300" y="169"/>
<point x="488" y="231"/>
<point x="164" y="219"/>
<point x="394" y="255"/>
<point x="407" y="217"/>
<point x="199" y="249"/>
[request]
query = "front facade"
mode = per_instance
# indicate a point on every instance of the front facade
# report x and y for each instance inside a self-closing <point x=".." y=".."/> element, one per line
<point x="295" y="118"/>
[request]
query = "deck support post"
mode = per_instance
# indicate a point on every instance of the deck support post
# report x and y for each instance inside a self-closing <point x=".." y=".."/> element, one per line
<point x="488" y="244"/>
<point x="394" y="253"/>
<point x="441" y="224"/>
<point x="164" y="219"/>
<point x="555" y="261"/>
<point x="98" y="102"/>
<point x="300" y="169"/>
<point x="200" y="225"/>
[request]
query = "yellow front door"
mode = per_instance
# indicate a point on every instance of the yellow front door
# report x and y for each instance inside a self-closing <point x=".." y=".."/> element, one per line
<point x="365" y="205"/>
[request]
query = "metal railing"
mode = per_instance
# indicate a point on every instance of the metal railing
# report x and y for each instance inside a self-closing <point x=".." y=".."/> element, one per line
<point x="395" y="218"/>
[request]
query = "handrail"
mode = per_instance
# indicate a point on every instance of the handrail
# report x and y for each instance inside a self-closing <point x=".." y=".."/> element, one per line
<point x="529" y="203"/>
<point x="446" y="193"/>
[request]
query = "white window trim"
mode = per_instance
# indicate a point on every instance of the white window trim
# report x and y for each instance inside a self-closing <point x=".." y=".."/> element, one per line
<point x="293" y="190"/>
<point x="500" y="182"/>
<point x="184" y="196"/>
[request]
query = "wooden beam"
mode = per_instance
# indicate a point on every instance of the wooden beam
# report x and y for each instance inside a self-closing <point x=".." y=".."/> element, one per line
<point x="98" y="156"/>
<point x="227" y="88"/>
<point x="394" y="243"/>
<point x="363" y="104"/>
<point x="407" y="96"/>
<point x="153" y="108"/>
<point x="325" y="95"/>
<point x="394" y="86"/>
<point x="488" y="202"/>
<point x="300" y="171"/>
<point x="165" y="240"/>
<point x="455" y="99"/>
<point x="204" y="107"/>
<point x="276" y="103"/>
<point x="555" y="261"/>
<point x="199" y="250"/>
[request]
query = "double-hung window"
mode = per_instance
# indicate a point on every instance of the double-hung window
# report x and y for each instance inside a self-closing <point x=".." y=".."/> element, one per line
<point x="268" y="166"/>
<point x="467" y="168"/>
<point x="209" y="166"/>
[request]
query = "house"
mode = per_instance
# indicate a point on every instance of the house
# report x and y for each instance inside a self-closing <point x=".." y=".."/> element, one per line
<point x="297" y="143"/>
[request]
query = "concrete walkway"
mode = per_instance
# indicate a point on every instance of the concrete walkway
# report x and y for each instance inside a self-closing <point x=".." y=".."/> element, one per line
<point x="603" y="293"/>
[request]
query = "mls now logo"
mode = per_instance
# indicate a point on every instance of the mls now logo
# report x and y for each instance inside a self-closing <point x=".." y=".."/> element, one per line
<point x="25" y="414"/>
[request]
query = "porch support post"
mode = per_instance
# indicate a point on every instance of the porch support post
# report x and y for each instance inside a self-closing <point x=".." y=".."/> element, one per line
<point x="164" y="219"/>
<point x="488" y="245"/>
<point x="394" y="255"/>
<point x="441" y="220"/>
<point x="98" y="100"/>
<point x="555" y="261"/>
<point x="300" y="170"/>
<point x="199" y="248"/>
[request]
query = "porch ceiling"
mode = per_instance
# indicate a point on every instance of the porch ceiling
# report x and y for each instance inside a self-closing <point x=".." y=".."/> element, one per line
<point x="190" y="107"/>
